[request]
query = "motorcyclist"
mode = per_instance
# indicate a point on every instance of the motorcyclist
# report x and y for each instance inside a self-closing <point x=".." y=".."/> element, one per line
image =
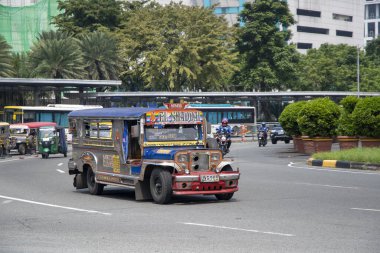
<point x="263" y="128"/>
<point x="226" y="129"/>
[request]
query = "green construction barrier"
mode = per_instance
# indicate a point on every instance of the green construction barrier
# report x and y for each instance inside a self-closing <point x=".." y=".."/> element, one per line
<point x="21" y="25"/>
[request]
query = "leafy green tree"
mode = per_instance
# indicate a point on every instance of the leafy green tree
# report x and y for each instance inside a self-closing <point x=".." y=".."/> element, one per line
<point x="176" y="47"/>
<point x="78" y="16"/>
<point x="6" y="69"/>
<point x="267" y="61"/>
<point x="56" y="55"/>
<point x="373" y="50"/>
<point x="20" y="65"/>
<point x="328" y="68"/>
<point x="100" y="55"/>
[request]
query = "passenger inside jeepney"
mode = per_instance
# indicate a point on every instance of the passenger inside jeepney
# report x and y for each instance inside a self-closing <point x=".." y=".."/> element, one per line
<point x="19" y="130"/>
<point x="173" y="132"/>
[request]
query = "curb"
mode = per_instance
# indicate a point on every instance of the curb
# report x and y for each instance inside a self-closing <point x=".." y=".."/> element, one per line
<point x="343" y="164"/>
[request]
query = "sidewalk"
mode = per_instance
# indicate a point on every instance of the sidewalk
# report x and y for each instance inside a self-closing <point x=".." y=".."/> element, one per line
<point x="343" y="164"/>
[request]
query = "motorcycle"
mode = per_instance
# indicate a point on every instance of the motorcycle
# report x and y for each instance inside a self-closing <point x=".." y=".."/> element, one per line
<point x="221" y="138"/>
<point x="262" y="139"/>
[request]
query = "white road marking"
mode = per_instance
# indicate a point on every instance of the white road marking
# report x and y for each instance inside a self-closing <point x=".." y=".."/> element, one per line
<point x="60" y="164"/>
<point x="60" y="171"/>
<point x="364" y="209"/>
<point x="332" y="186"/>
<point x="238" y="229"/>
<point x="292" y="165"/>
<point x="51" y="205"/>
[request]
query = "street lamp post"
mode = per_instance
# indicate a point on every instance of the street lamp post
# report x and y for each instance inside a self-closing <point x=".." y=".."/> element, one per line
<point x="358" y="70"/>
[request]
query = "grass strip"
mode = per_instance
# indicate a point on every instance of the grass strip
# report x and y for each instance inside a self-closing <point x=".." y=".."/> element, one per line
<point x="367" y="155"/>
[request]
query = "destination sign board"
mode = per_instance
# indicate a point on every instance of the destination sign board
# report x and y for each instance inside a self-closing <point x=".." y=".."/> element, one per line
<point x="174" y="117"/>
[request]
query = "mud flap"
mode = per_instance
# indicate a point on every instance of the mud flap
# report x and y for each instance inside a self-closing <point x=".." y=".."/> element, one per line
<point x="80" y="182"/>
<point x="142" y="190"/>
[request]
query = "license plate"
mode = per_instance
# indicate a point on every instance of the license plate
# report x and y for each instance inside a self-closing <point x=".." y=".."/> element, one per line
<point x="209" y="178"/>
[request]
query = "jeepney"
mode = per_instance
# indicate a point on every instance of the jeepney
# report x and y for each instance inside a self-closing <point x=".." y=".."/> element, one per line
<point x="158" y="153"/>
<point x="20" y="132"/>
<point x="4" y="139"/>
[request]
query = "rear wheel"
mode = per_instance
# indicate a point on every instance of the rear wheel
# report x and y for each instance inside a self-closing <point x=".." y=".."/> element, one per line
<point x="65" y="154"/>
<point x="94" y="187"/>
<point x="287" y="141"/>
<point x="225" y="196"/>
<point x="161" y="186"/>
<point x="274" y="141"/>
<point x="22" y="149"/>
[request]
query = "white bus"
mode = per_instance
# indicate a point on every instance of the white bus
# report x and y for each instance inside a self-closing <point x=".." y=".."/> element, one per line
<point x="238" y="116"/>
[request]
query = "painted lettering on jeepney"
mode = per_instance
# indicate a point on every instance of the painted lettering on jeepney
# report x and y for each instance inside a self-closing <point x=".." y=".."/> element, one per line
<point x="112" y="161"/>
<point x="175" y="117"/>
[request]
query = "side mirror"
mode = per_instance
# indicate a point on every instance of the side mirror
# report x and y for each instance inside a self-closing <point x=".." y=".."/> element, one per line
<point x="208" y="126"/>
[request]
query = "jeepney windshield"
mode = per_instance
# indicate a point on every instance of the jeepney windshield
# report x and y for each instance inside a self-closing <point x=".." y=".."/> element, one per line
<point x="173" y="132"/>
<point x="19" y="131"/>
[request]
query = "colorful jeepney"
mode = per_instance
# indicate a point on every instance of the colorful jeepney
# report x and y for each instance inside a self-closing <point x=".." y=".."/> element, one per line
<point x="158" y="153"/>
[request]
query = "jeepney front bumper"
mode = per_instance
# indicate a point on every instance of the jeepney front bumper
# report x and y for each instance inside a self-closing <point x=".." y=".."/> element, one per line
<point x="73" y="168"/>
<point x="206" y="183"/>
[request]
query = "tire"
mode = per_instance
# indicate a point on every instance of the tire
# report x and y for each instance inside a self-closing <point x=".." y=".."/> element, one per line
<point x="274" y="141"/>
<point x="225" y="196"/>
<point x="287" y="141"/>
<point x="212" y="143"/>
<point x="65" y="154"/>
<point x="161" y="186"/>
<point x="22" y="149"/>
<point x="93" y="187"/>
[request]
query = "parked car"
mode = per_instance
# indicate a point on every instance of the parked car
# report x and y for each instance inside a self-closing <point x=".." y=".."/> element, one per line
<point x="278" y="134"/>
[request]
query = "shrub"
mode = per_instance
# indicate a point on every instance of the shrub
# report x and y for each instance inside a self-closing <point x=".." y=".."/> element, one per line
<point x="366" y="117"/>
<point x="346" y="125"/>
<point x="319" y="117"/>
<point x="288" y="118"/>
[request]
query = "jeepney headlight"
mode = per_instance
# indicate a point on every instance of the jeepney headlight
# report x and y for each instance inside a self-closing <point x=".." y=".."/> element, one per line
<point x="215" y="157"/>
<point x="182" y="160"/>
<point x="187" y="171"/>
<point x="40" y="143"/>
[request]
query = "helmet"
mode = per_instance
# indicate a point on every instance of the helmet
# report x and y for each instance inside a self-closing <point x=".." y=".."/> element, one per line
<point x="224" y="121"/>
<point x="263" y="124"/>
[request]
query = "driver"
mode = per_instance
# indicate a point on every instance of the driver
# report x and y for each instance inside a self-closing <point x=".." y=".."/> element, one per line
<point x="226" y="129"/>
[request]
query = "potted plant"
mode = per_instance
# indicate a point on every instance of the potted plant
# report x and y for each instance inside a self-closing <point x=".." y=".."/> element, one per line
<point x="318" y="119"/>
<point x="347" y="137"/>
<point x="288" y="121"/>
<point x="366" y="118"/>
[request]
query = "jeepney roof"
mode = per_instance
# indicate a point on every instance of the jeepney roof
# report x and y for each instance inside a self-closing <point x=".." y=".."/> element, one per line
<point x="4" y="124"/>
<point x="33" y="124"/>
<point x="116" y="112"/>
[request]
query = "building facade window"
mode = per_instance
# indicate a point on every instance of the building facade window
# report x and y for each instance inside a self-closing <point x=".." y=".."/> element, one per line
<point x="371" y="29"/>
<point x="343" y="33"/>
<point x="309" y="13"/>
<point x="301" y="45"/>
<point x="371" y="11"/>
<point x="342" y="17"/>
<point x="309" y="29"/>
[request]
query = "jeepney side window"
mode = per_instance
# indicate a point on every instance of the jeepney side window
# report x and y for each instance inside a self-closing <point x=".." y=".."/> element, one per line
<point x="2" y="130"/>
<point x="94" y="130"/>
<point x="73" y="128"/>
<point x="105" y="129"/>
<point x="86" y="129"/>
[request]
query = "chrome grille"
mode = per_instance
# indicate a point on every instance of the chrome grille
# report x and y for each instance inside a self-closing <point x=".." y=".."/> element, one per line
<point x="200" y="161"/>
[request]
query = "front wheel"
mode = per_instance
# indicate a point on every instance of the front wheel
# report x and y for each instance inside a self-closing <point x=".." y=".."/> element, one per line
<point x="287" y="141"/>
<point x="161" y="186"/>
<point x="225" y="196"/>
<point x="94" y="187"/>
<point x="274" y="141"/>
<point x="22" y="149"/>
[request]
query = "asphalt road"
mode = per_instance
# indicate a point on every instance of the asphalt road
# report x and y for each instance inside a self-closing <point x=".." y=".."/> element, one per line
<point x="282" y="206"/>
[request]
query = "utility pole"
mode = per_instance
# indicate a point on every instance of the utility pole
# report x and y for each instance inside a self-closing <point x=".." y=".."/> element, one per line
<point x="358" y="70"/>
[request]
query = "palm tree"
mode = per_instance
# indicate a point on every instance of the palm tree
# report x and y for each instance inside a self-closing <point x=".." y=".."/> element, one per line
<point x="101" y="57"/>
<point x="20" y="64"/>
<point x="6" y="69"/>
<point x="56" y="55"/>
